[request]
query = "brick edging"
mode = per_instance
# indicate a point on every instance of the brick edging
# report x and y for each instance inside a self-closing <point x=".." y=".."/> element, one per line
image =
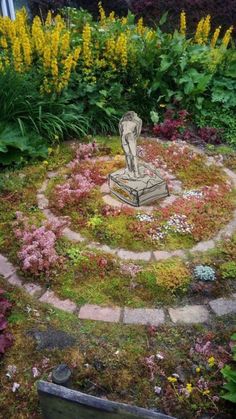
<point x="188" y="314"/>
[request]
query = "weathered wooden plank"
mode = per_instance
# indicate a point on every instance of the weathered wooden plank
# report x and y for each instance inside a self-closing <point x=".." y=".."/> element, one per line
<point x="59" y="402"/>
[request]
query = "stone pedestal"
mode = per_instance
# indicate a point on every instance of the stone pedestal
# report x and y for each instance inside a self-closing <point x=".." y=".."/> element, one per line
<point x="145" y="189"/>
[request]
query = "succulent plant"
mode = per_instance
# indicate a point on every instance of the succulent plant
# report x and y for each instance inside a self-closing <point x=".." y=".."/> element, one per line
<point x="204" y="273"/>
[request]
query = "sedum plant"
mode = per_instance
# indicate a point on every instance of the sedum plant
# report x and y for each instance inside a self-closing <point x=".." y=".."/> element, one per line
<point x="204" y="273"/>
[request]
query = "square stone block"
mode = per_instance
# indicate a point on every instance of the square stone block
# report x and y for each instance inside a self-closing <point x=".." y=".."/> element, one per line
<point x="144" y="316"/>
<point x="189" y="314"/>
<point x="95" y="312"/>
<point x="147" y="188"/>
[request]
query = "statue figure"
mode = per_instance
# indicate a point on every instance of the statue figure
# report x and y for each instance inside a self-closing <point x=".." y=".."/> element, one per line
<point x="130" y="129"/>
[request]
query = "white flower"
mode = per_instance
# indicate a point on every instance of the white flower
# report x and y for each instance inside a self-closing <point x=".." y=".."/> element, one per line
<point x="35" y="372"/>
<point x="159" y="356"/>
<point x="157" y="389"/>
<point x="15" y="387"/>
<point x="11" y="370"/>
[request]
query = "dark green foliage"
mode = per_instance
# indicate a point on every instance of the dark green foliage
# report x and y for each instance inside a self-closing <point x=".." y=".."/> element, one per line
<point x="28" y="121"/>
<point x="229" y="375"/>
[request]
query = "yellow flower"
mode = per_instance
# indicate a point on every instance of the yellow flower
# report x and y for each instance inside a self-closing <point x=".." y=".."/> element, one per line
<point x="47" y="57"/>
<point x="48" y="21"/>
<point x="65" y="44"/>
<point x="211" y="361"/>
<point x="227" y="36"/>
<point x="17" y="57"/>
<point x="198" y="369"/>
<point x="183" y="23"/>
<point x="3" y="42"/>
<point x="189" y="388"/>
<point x="206" y="27"/>
<point x="45" y="162"/>
<point x="54" y="68"/>
<point x="124" y="21"/>
<point x="121" y="49"/>
<point x="215" y="36"/>
<point x="50" y="150"/>
<point x="87" y="54"/>
<point x="172" y="379"/>
<point x="111" y="17"/>
<point x="198" y="34"/>
<point x="38" y="35"/>
<point x="101" y="13"/>
<point x="206" y="392"/>
<point x="26" y="49"/>
<point x="140" y="27"/>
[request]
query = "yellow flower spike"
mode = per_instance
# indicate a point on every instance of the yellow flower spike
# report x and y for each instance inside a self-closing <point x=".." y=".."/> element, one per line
<point x="65" y="44"/>
<point x="87" y="53"/>
<point x="121" y="49"/>
<point x="76" y="54"/>
<point x="111" y="17"/>
<point x="54" y="68"/>
<point x="26" y="50"/>
<point x="17" y="56"/>
<point x="38" y="35"/>
<point x="198" y="34"/>
<point x="227" y="36"/>
<point x="172" y="379"/>
<point x="102" y="13"/>
<point x="48" y="21"/>
<point x="3" y="42"/>
<point x="206" y="28"/>
<point x="55" y="36"/>
<point x="124" y="21"/>
<point x="140" y="28"/>
<point x="215" y="37"/>
<point x="183" y="25"/>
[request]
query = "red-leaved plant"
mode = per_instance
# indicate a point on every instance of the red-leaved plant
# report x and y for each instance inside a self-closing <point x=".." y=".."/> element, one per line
<point x="6" y="338"/>
<point x="173" y="124"/>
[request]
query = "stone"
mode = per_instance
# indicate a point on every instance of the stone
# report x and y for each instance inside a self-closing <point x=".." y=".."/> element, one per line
<point x="127" y="255"/>
<point x="109" y="200"/>
<point x="49" y="215"/>
<point x="144" y="316"/>
<point x="222" y="306"/>
<point x="147" y="188"/>
<point x="161" y="255"/>
<point x="6" y="267"/>
<point x="168" y="201"/>
<point x="231" y="175"/>
<point x="178" y="253"/>
<point x="33" y="289"/>
<point x="105" y="314"/>
<point x="43" y="187"/>
<point x="52" y="339"/>
<point x="203" y="246"/>
<point x="52" y="174"/>
<point x="43" y="202"/>
<point x="49" y="297"/>
<point x="72" y="235"/>
<point x="105" y="188"/>
<point x="15" y="280"/>
<point x="189" y="314"/>
<point x="176" y="187"/>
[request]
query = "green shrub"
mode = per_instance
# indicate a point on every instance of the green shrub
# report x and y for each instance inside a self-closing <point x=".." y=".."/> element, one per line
<point x="228" y="270"/>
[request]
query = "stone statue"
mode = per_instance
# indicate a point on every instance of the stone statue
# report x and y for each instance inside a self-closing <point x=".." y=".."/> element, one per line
<point x="139" y="183"/>
<point x="130" y="129"/>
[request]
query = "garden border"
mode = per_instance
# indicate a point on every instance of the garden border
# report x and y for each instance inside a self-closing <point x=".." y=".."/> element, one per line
<point x="188" y="314"/>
